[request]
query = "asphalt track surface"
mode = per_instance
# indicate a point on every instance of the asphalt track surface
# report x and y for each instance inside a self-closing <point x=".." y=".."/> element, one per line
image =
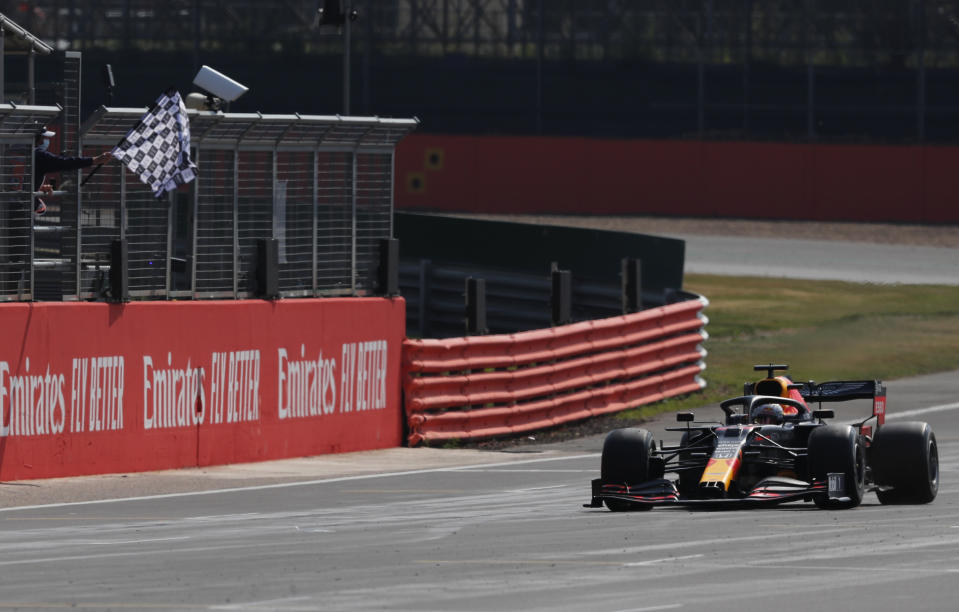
<point x="422" y="529"/>
<point x="821" y="260"/>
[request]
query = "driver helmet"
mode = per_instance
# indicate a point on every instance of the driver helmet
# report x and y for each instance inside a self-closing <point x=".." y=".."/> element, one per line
<point x="768" y="414"/>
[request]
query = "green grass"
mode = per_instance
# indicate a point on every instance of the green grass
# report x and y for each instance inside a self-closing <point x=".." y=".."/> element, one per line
<point x="824" y="330"/>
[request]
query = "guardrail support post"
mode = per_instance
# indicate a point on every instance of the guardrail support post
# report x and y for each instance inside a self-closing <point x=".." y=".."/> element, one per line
<point x="561" y="298"/>
<point x="267" y="268"/>
<point x="475" y="306"/>
<point x="632" y="275"/>
<point x="119" y="271"/>
<point x="422" y="309"/>
<point x="389" y="270"/>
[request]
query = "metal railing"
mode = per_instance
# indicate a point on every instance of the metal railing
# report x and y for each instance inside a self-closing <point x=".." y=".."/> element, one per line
<point x="18" y="241"/>
<point x="320" y="186"/>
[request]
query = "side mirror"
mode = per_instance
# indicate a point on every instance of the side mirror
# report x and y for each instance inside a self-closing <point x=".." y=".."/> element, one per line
<point x="823" y="414"/>
<point x="685" y="417"/>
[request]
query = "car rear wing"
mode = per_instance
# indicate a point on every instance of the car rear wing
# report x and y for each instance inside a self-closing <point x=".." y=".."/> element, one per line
<point x="845" y="390"/>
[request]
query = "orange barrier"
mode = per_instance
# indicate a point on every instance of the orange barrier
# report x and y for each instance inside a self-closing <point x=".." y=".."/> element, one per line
<point x="484" y="386"/>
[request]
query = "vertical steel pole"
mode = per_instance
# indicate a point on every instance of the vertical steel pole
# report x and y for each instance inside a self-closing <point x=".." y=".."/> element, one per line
<point x="810" y="74"/>
<point x="236" y="220"/>
<point x="747" y="57"/>
<point x="31" y="76"/>
<point x="921" y="75"/>
<point x="78" y="253"/>
<point x="353" y="157"/>
<point x="3" y="42"/>
<point x="123" y="205"/>
<point x="196" y="217"/>
<point x="170" y="217"/>
<point x="196" y="36"/>
<point x="347" y="9"/>
<point x="539" y="66"/>
<point x="316" y="212"/>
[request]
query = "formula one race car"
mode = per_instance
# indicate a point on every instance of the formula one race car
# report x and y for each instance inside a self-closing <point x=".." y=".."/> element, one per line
<point x="774" y="449"/>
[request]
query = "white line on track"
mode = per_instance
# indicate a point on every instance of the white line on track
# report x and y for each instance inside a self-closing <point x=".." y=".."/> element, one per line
<point x="663" y="560"/>
<point x="256" y="604"/>
<point x="918" y="411"/>
<point x="302" y="483"/>
<point x="652" y="608"/>
<point x="115" y="555"/>
<point x="909" y="413"/>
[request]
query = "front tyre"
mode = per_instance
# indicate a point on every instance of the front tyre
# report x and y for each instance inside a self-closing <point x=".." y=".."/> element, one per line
<point x="905" y="463"/>
<point x="626" y="454"/>
<point x="834" y="449"/>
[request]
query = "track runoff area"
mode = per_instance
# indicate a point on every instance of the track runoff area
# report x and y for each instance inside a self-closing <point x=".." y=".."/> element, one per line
<point x="405" y="529"/>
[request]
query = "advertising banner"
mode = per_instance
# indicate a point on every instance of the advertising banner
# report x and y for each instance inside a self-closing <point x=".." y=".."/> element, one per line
<point x="91" y="388"/>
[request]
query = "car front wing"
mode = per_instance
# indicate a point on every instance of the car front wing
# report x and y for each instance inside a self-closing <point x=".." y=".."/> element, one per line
<point x="663" y="492"/>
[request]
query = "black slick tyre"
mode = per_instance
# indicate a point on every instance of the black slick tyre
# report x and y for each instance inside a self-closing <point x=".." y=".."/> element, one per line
<point x="625" y="460"/>
<point x="905" y="463"/>
<point x="838" y="449"/>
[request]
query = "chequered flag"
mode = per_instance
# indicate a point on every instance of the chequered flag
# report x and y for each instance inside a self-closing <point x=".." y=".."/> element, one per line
<point x="158" y="148"/>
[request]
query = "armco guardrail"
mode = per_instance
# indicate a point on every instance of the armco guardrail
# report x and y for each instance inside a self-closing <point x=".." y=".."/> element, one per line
<point x="485" y="386"/>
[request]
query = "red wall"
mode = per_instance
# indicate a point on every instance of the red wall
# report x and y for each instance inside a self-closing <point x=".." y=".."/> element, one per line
<point x="499" y="174"/>
<point x="90" y="388"/>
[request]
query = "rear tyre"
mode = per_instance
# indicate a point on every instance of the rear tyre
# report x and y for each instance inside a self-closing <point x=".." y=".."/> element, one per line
<point x="626" y="454"/>
<point x="905" y="457"/>
<point x="838" y="449"/>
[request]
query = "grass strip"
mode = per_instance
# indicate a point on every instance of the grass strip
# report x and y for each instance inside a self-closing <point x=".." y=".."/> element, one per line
<point x="824" y="330"/>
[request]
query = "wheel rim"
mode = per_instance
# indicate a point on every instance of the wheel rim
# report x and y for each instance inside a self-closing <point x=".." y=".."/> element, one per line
<point x="860" y="465"/>
<point x="933" y="464"/>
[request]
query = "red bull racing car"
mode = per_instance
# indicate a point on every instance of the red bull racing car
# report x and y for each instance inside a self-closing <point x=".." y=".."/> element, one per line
<point x="773" y="448"/>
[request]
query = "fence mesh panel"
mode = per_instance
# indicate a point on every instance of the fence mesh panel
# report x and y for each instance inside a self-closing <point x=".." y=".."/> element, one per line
<point x="147" y="226"/>
<point x="334" y="232"/>
<point x="215" y="223"/>
<point x="293" y="221"/>
<point x="374" y="214"/>
<point x="15" y="221"/>
<point x="320" y="186"/>
<point x="99" y="224"/>
<point x="255" y="208"/>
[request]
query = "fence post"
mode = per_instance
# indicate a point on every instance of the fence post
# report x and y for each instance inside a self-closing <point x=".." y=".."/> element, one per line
<point x="423" y="310"/>
<point x="561" y="298"/>
<point x="632" y="276"/>
<point x="389" y="269"/>
<point x="119" y="274"/>
<point x="475" y="306"/>
<point x="267" y="268"/>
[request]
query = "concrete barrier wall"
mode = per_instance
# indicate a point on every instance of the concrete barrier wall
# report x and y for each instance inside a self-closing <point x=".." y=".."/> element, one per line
<point x="823" y="182"/>
<point x="88" y="388"/>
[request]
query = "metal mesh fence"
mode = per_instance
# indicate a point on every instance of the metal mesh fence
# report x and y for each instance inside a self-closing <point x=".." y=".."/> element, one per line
<point x="99" y="225"/>
<point x="334" y="232"/>
<point x="293" y="220"/>
<point x="215" y="224"/>
<point x="15" y="222"/>
<point x="255" y="190"/>
<point x="320" y="187"/>
<point x="374" y="203"/>
<point x="146" y="228"/>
